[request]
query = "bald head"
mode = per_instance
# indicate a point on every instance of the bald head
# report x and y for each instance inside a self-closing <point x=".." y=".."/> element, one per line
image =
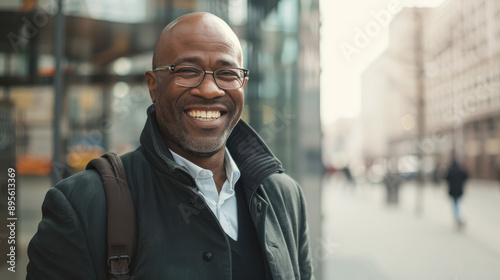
<point x="206" y="26"/>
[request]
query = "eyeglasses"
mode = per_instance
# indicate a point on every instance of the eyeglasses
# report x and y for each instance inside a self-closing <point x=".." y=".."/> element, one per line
<point x="192" y="75"/>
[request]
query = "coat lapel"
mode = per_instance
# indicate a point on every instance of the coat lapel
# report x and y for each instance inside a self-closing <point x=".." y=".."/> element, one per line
<point x="271" y="236"/>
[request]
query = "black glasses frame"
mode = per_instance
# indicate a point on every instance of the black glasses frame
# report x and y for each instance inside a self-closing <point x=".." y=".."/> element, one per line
<point x="172" y="69"/>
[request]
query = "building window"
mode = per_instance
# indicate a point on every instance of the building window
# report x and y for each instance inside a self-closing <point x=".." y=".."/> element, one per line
<point x="492" y="127"/>
<point x="477" y="129"/>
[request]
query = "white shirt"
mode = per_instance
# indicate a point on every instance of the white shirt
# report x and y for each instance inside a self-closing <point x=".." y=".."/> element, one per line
<point x="223" y="205"/>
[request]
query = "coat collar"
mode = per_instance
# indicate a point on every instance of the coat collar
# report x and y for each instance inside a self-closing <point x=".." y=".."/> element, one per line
<point x="252" y="156"/>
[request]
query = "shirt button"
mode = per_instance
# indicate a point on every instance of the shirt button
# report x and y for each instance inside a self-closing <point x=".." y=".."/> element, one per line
<point x="207" y="256"/>
<point x="203" y="173"/>
<point x="259" y="207"/>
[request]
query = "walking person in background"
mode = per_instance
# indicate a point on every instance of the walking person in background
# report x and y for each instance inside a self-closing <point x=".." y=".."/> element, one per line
<point x="456" y="178"/>
<point x="348" y="176"/>
<point x="498" y="176"/>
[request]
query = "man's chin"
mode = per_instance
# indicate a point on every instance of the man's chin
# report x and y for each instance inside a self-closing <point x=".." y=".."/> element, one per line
<point x="203" y="149"/>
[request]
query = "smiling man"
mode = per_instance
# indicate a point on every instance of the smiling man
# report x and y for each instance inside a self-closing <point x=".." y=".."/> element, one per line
<point x="211" y="201"/>
<point x="196" y="114"/>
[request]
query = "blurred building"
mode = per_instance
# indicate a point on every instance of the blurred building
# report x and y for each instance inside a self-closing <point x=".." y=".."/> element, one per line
<point x="390" y="94"/>
<point x="462" y="94"/>
<point x="436" y="89"/>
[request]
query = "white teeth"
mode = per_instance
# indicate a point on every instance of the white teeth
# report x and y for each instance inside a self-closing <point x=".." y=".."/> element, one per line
<point x="204" y="115"/>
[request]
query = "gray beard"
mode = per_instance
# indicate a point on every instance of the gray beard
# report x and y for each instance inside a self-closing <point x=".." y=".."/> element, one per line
<point x="197" y="147"/>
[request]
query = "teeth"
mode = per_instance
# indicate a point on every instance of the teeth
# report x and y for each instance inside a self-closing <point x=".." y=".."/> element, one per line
<point x="204" y="115"/>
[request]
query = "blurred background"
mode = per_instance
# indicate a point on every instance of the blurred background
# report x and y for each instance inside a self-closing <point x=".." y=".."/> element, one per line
<point x="366" y="103"/>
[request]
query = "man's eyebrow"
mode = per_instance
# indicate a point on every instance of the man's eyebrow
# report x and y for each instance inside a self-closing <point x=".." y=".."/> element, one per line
<point x="226" y="63"/>
<point x="198" y="60"/>
<point x="191" y="59"/>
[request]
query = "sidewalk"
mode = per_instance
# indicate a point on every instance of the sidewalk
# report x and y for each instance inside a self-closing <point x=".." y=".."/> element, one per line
<point x="365" y="238"/>
<point x="413" y="240"/>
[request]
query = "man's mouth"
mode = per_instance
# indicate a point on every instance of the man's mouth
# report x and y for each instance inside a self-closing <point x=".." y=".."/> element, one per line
<point x="204" y="115"/>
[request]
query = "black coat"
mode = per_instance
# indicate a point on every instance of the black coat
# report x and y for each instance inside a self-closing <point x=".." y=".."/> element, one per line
<point x="456" y="178"/>
<point x="172" y="233"/>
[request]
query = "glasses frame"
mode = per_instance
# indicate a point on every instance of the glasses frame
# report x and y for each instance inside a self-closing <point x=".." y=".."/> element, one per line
<point x="172" y="69"/>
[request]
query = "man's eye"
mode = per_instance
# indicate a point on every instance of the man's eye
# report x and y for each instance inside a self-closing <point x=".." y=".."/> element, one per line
<point x="228" y="73"/>
<point x="187" y="70"/>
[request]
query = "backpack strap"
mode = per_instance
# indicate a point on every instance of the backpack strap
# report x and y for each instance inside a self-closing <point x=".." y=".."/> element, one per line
<point x="121" y="216"/>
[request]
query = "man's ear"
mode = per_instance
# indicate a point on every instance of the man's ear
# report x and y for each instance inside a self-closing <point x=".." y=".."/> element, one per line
<point x="151" y="79"/>
<point x="245" y="83"/>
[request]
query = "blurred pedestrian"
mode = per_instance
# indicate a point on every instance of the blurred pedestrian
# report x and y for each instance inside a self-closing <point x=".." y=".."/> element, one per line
<point x="348" y="176"/>
<point x="498" y="177"/>
<point x="456" y="178"/>
<point x="393" y="181"/>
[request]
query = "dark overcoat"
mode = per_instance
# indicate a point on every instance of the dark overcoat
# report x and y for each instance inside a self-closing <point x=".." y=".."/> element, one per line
<point x="172" y="232"/>
<point x="456" y="178"/>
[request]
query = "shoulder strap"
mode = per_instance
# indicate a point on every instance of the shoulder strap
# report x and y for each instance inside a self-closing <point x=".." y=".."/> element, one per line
<point x="121" y="216"/>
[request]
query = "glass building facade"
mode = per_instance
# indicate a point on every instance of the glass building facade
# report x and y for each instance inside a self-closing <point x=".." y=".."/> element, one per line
<point x="107" y="47"/>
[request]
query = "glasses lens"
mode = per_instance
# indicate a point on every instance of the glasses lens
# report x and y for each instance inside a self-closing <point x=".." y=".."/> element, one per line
<point x="188" y="76"/>
<point x="229" y="78"/>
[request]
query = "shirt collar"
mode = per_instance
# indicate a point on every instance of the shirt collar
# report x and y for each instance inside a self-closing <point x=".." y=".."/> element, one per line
<point x="197" y="172"/>
<point x="232" y="171"/>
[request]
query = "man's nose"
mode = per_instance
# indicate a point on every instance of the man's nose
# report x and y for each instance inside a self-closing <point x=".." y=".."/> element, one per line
<point x="208" y="88"/>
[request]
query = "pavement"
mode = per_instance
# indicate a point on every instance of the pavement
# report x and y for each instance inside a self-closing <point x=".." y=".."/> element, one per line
<point x="363" y="237"/>
<point x="366" y="239"/>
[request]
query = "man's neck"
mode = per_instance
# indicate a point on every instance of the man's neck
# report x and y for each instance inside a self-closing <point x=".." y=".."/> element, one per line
<point x="214" y="163"/>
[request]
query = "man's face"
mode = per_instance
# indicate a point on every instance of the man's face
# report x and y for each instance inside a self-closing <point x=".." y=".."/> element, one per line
<point x="196" y="120"/>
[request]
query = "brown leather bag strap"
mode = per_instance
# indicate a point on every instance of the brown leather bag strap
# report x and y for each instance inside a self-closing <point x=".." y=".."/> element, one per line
<point x="121" y="214"/>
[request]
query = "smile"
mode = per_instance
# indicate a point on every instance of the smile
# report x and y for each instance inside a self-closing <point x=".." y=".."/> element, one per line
<point x="204" y="115"/>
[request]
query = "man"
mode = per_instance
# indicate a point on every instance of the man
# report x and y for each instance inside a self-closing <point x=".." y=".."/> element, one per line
<point x="456" y="178"/>
<point x="211" y="200"/>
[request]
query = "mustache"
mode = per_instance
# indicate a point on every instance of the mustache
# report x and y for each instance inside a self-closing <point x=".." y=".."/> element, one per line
<point x="205" y="102"/>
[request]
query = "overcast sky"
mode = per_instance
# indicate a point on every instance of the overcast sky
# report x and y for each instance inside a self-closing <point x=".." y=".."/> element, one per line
<point x="342" y="60"/>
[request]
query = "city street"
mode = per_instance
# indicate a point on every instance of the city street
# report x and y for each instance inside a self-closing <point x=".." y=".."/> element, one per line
<point x="366" y="239"/>
<point x="382" y="89"/>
